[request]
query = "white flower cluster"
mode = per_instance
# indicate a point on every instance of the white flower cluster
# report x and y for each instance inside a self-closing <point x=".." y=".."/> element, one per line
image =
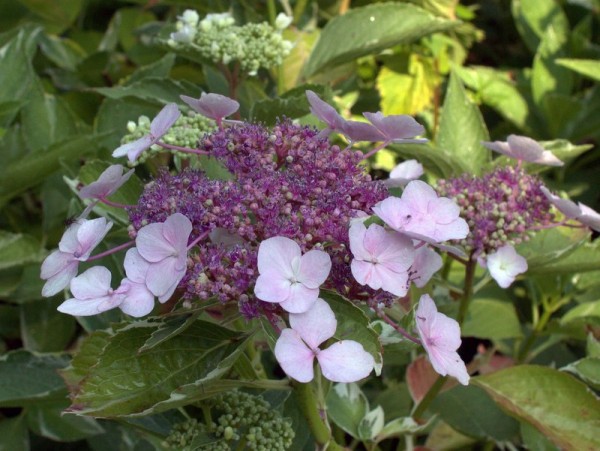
<point x="218" y="39"/>
<point x="186" y="132"/>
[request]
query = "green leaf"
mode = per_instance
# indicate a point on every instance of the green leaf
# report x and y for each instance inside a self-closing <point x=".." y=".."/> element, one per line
<point x="291" y="69"/>
<point x="28" y="379"/>
<point x="43" y="328"/>
<point x="163" y="90"/>
<point x="587" y="369"/>
<point x="589" y="311"/>
<point x="168" y="329"/>
<point x="470" y="411"/>
<point x="14" y="433"/>
<point x="399" y="427"/>
<point x="347" y="406"/>
<point x="292" y="104"/>
<point x="159" y="69"/>
<point x="369" y="30"/>
<point x="534" y="17"/>
<point x="584" y="258"/>
<point x="565" y="150"/>
<point x="87" y="356"/>
<point x="17" y="250"/>
<point x="48" y="421"/>
<point x="548" y="247"/>
<point x="63" y="52"/>
<point x="124" y="382"/>
<point x="30" y="170"/>
<point x="534" y="440"/>
<point x="372" y="424"/>
<point x="588" y="68"/>
<point x="558" y="405"/>
<point x="436" y="160"/>
<point x="353" y="324"/>
<point x="57" y="15"/>
<point x="462" y="128"/>
<point x="492" y="319"/>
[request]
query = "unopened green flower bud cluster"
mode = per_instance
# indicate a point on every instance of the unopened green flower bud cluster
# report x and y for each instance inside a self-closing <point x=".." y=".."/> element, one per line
<point x="186" y="132"/>
<point x="217" y="38"/>
<point x="240" y="418"/>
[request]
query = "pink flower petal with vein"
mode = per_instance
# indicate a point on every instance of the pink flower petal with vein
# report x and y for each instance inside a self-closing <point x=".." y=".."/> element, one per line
<point x="294" y="357"/>
<point x="345" y="361"/>
<point x="213" y="106"/>
<point x="316" y="325"/>
<point x="108" y="183"/>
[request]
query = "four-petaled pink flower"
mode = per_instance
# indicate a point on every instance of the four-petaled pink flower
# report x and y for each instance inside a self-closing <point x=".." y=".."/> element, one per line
<point x="76" y="245"/>
<point x="108" y="183"/>
<point x="505" y="265"/>
<point x="213" y="106"/>
<point x="440" y="336"/>
<point x="398" y="128"/>
<point x="523" y="148"/>
<point x="381" y="258"/>
<point x="287" y="277"/>
<point x="164" y="245"/>
<point x="580" y="212"/>
<point x="158" y="127"/>
<point x="295" y="350"/>
<point x="404" y="173"/>
<point x="421" y="214"/>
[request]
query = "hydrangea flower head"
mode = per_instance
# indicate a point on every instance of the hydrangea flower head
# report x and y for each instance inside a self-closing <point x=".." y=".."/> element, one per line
<point x="440" y="336"/>
<point x="295" y="350"/>
<point x="523" y="148"/>
<point x="421" y="214"/>
<point x="158" y="127"/>
<point x="505" y="265"/>
<point x="164" y="247"/>
<point x="76" y="245"/>
<point x="108" y="183"/>
<point x="213" y="106"/>
<point x="381" y="258"/>
<point x="287" y="277"/>
<point x="399" y="128"/>
<point x="404" y="173"/>
<point x="500" y="207"/>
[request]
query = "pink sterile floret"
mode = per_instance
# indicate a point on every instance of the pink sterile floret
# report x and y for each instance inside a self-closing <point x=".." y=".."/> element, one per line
<point x="287" y="277"/>
<point x="381" y="258"/>
<point x="581" y="212"/>
<point x="505" y="265"/>
<point x="76" y="245"/>
<point x="158" y="127"/>
<point x="344" y="361"/>
<point x="108" y="183"/>
<point x="427" y="262"/>
<point x="404" y="173"/>
<point x="396" y="128"/>
<point x="440" y="336"/>
<point x="164" y="247"/>
<point x="212" y="106"/>
<point x="421" y="214"/>
<point x="523" y="148"/>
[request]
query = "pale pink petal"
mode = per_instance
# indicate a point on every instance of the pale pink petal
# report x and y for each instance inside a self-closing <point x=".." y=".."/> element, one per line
<point x="164" y="120"/>
<point x="163" y="277"/>
<point x="393" y="282"/>
<point x="565" y="206"/>
<point x="394" y="251"/>
<point x="449" y="363"/>
<point x="505" y="265"/>
<point x="69" y="242"/>
<point x="345" y="361"/>
<point x="272" y="287"/>
<point x="54" y="263"/>
<point x="362" y="272"/>
<point x="427" y="262"/>
<point x="92" y="284"/>
<point x="135" y="266"/>
<point x="589" y="217"/>
<point x="425" y="315"/>
<point x="397" y="128"/>
<point x="294" y="357"/>
<point x="404" y="173"/>
<point x="356" y="236"/>
<point x="213" y="106"/>
<point x="177" y="229"/>
<point x="78" y="307"/>
<point x="108" y="183"/>
<point x="315" y="325"/>
<point x="392" y="211"/>
<point x="361" y="131"/>
<point x="524" y="149"/>
<point x="300" y="299"/>
<point x="445" y="332"/>
<point x="138" y="300"/>
<point x="325" y="112"/>
<point x="418" y="194"/>
<point x="89" y="235"/>
<point x="60" y="280"/>
<point x="314" y="268"/>
<point x="277" y="254"/>
<point x="133" y="149"/>
<point x="152" y="244"/>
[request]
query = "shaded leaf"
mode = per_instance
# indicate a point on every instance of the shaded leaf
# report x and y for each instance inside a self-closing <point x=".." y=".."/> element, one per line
<point x="436" y="160"/>
<point x="588" y="68"/>
<point x="587" y="369"/>
<point x="163" y="90"/>
<point x="347" y="406"/>
<point x="14" y="433"/>
<point x="532" y="393"/>
<point x="17" y="249"/>
<point x="43" y="328"/>
<point x="534" y="17"/>
<point x="57" y="15"/>
<point x="372" y="424"/>
<point x="492" y="319"/>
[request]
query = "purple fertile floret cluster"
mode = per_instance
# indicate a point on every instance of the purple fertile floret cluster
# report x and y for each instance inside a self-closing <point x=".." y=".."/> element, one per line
<point x="287" y="181"/>
<point x="500" y="207"/>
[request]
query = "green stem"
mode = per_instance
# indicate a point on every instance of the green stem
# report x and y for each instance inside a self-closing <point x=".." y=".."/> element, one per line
<point x="467" y="291"/>
<point x="299" y="10"/>
<point x="549" y="309"/>
<point x="420" y="408"/>
<point x="271" y="11"/>
<point x="307" y="402"/>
